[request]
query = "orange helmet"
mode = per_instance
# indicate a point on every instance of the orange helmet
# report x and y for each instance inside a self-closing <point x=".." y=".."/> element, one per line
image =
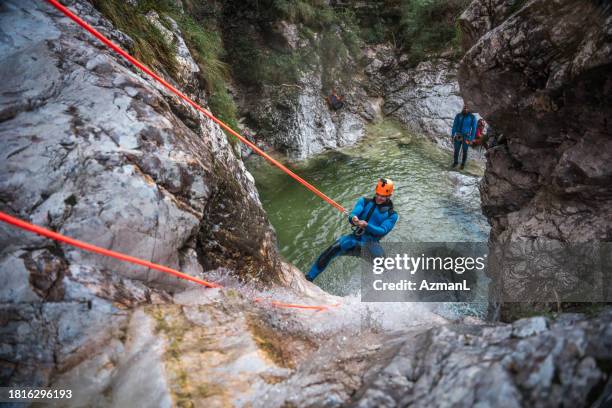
<point x="384" y="187"/>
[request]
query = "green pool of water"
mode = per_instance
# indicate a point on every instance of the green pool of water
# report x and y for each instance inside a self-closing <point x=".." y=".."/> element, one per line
<point x="425" y="198"/>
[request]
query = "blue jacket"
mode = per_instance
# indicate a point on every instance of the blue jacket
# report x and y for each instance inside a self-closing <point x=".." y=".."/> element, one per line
<point x="381" y="221"/>
<point x="466" y="125"/>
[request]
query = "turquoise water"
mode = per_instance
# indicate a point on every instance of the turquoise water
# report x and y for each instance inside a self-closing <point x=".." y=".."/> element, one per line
<point x="425" y="198"/>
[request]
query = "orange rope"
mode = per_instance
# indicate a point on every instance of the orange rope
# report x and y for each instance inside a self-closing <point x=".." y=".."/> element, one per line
<point x="126" y="258"/>
<point x="98" y="250"/>
<point x="175" y="91"/>
<point x="276" y="303"/>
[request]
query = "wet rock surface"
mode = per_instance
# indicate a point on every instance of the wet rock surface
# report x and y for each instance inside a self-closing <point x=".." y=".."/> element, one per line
<point x="296" y="119"/>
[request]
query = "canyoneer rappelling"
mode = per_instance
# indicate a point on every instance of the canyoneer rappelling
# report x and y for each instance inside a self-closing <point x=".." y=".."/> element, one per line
<point x="371" y="220"/>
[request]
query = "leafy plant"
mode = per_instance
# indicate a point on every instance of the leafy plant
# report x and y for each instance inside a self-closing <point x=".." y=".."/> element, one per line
<point x="149" y="44"/>
<point x="430" y="26"/>
<point x="202" y="37"/>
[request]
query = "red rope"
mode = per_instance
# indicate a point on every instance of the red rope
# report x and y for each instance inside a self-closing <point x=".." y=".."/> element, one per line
<point x="126" y="258"/>
<point x="98" y="250"/>
<point x="175" y="91"/>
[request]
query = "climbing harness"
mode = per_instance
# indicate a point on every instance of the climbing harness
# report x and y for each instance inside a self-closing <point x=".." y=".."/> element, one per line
<point x="386" y="207"/>
<point x="384" y="187"/>
<point x="358" y="231"/>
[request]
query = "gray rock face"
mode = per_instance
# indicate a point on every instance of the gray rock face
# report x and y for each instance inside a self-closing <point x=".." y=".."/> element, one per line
<point x="95" y="151"/>
<point x="481" y="17"/>
<point x="296" y="120"/>
<point x="425" y="98"/>
<point x="518" y="365"/>
<point x="187" y="67"/>
<point x="543" y="78"/>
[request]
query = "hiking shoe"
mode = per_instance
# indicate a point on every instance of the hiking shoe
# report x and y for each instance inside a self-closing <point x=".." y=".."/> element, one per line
<point x="454" y="165"/>
<point x="462" y="167"/>
<point x="308" y="278"/>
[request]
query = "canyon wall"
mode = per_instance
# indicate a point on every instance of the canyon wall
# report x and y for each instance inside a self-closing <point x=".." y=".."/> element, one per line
<point x="541" y="74"/>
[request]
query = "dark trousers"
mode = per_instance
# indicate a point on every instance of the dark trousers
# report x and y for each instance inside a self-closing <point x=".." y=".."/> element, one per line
<point x="458" y="146"/>
<point x="345" y="245"/>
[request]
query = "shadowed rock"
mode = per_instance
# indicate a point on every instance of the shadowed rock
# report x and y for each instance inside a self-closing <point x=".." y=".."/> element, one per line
<point x="542" y="76"/>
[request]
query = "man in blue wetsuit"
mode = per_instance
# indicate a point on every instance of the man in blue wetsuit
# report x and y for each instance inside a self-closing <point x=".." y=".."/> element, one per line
<point x="463" y="133"/>
<point x="372" y="219"/>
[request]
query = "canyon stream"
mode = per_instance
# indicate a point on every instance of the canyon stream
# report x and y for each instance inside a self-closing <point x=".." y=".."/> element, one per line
<point x="434" y="203"/>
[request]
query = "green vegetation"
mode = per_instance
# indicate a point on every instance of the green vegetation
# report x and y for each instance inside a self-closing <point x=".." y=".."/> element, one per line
<point x="516" y="6"/>
<point x="339" y="33"/>
<point x="206" y="46"/>
<point x="149" y="44"/>
<point x="256" y="65"/>
<point x="430" y="26"/>
<point x="374" y="33"/>
<point x="202" y="37"/>
<point x="332" y="35"/>
<point x="311" y="13"/>
<point x="424" y="27"/>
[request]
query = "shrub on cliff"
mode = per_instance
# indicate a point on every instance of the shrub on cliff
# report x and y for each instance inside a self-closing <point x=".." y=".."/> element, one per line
<point x="149" y="44"/>
<point x="332" y="35"/>
<point x="430" y="26"/>
<point x="199" y="32"/>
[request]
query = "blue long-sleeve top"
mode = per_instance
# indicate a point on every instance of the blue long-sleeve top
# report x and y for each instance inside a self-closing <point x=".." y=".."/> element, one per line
<point x="381" y="221"/>
<point x="466" y="125"/>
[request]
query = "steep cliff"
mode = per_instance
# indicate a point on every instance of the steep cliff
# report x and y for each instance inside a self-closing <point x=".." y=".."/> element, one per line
<point x="285" y="62"/>
<point x="542" y="75"/>
<point x="425" y="98"/>
<point x="93" y="150"/>
<point x="311" y="55"/>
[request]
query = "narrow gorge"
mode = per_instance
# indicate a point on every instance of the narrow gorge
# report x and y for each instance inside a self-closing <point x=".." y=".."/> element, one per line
<point x="95" y="149"/>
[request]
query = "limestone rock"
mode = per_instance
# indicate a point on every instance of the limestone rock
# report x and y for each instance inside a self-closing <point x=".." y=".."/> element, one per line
<point x="481" y="17"/>
<point x="424" y="98"/>
<point x="465" y="366"/>
<point x="92" y="149"/>
<point x="95" y="151"/>
<point x="296" y="119"/>
<point x="187" y="67"/>
<point x="428" y="101"/>
<point x="541" y="76"/>
<point x="289" y="33"/>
